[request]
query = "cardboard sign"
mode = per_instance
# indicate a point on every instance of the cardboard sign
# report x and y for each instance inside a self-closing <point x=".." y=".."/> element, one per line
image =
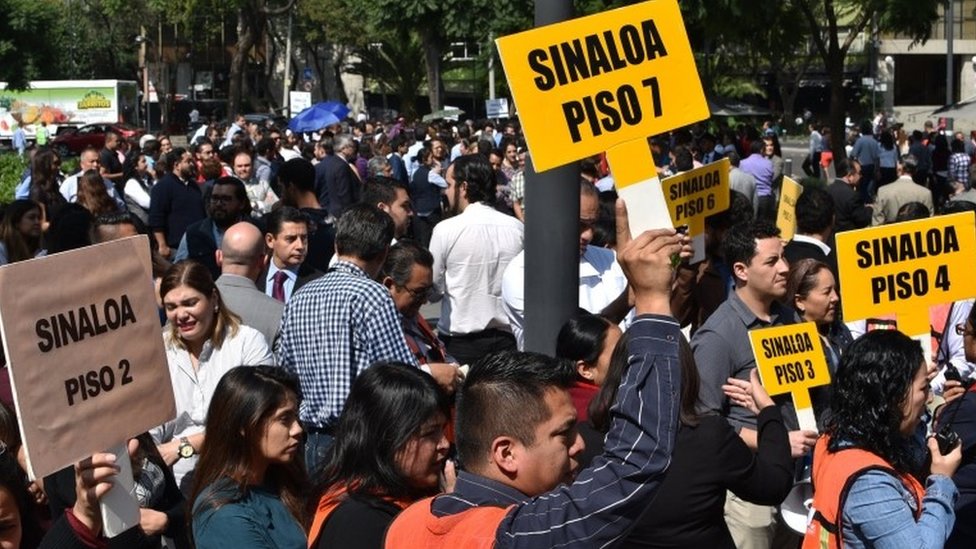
<point x="85" y="351"/>
<point x="586" y="85"/>
<point x="904" y="268"/>
<point x="786" y="215"/>
<point x="791" y="360"/>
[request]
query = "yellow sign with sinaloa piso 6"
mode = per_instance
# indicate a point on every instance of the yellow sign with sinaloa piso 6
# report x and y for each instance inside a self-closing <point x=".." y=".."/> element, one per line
<point x="904" y="268"/>
<point x="696" y="194"/>
<point x="790" y="359"/>
<point x="586" y="85"/>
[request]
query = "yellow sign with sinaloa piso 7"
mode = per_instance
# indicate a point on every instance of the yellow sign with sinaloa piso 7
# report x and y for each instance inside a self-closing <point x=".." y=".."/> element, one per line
<point x="906" y="267"/>
<point x="790" y="360"/>
<point x="588" y="84"/>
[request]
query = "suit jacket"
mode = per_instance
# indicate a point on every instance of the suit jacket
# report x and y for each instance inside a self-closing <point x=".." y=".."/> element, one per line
<point x="795" y="251"/>
<point x="336" y="185"/>
<point x="256" y="309"/>
<point x="306" y="274"/>
<point x="851" y="213"/>
<point x="894" y="195"/>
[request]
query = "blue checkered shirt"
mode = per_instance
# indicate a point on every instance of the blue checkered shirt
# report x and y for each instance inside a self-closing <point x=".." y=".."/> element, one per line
<point x="333" y="329"/>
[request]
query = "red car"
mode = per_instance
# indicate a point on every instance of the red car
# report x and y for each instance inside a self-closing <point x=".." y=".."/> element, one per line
<point x="75" y="140"/>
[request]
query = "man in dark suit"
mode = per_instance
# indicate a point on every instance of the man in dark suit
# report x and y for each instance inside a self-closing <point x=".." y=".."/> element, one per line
<point x="336" y="180"/>
<point x="851" y="212"/>
<point x="241" y="260"/>
<point x="287" y="239"/>
<point x="814" y="229"/>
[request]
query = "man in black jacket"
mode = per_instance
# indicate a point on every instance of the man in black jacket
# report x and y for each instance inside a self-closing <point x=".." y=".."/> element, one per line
<point x="851" y="212"/>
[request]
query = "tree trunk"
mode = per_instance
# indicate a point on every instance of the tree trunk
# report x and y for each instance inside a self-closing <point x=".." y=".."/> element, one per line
<point x="838" y="105"/>
<point x="432" y="58"/>
<point x="246" y="35"/>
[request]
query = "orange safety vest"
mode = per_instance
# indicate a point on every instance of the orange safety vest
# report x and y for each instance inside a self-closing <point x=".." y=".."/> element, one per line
<point x="327" y="505"/>
<point x="416" y="527"/>
<point x="833" y="475"/>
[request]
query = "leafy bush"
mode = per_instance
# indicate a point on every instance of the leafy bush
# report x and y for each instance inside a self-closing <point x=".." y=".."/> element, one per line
<point x="11" y="168"/>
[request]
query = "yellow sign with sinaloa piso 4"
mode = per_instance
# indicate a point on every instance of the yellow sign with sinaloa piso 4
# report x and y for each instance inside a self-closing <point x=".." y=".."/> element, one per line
<point x="904" y="268"/>
<point x="791" y="360"/>
<point x="588" y="84"/>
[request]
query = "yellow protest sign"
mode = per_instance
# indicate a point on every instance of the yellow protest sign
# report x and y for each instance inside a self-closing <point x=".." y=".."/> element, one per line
<point x="85" y="352"/>
<point x="791" y="359"/>
<point x="696" y="194"/>
<point x="786" y="216"/>
<point x="906" y="267"/>
<point x="585" y="85"/>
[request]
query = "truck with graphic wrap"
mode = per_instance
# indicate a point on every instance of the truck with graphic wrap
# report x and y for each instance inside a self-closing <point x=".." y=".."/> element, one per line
<point x="66" y="102"/>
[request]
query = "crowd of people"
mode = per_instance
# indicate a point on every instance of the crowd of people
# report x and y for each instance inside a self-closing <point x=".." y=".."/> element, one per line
<point x="317" y="406"/>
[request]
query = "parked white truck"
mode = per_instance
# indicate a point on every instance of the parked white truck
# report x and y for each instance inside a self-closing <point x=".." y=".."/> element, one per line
<point x="60" y="102"/>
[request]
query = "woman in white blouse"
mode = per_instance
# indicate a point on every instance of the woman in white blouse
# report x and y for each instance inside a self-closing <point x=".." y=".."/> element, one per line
<point x="204" y="340"/>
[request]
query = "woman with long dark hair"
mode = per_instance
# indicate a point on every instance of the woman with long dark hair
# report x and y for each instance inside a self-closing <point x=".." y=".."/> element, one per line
<point x="866" y="467"/>
<point x="20" y="232"/>
<point x="204" y="340"/>
<point x="588" y="340"/>
<point x="709" y="460"/>
<point x="248" y="486"/>
<point x="45" y="183"/>
<point x="389" y="451"/>
<point x="93" y="195"/>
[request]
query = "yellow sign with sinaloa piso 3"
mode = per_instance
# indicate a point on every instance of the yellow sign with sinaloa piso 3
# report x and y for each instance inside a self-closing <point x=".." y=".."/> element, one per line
<point x="588" y="84"/>
<point x="791" y="360"/>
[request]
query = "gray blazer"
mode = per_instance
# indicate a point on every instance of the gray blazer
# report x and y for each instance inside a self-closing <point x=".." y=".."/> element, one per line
<point x="256" y="309"/>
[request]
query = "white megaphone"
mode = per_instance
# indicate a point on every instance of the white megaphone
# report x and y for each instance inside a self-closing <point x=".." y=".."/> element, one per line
<point x="797" y="509"/>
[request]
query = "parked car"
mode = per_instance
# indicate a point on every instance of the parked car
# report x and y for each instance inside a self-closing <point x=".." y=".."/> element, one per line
<point x="75" y="140"/>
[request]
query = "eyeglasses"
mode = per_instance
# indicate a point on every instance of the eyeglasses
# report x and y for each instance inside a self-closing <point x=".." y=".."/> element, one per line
<point x="961" y="330"/>
<point x="222" y="199"/>
<point x="418" y="293"/>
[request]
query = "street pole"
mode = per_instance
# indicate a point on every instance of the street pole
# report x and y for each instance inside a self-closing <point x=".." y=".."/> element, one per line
<point x="491" y="67"/>
<point x="950" y="77"/>
<point x="145" y="75"/>
<point x="285" y="97"/>
<point x="551" y="232"/>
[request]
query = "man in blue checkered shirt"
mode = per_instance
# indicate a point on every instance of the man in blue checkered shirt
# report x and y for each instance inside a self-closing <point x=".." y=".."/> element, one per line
<point x="339" y="324"/>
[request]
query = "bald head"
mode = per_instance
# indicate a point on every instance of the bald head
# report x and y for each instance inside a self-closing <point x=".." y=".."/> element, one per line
<point x="242" y="251"/>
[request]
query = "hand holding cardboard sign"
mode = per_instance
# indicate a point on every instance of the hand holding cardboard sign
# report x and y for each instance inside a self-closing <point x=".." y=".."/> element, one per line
<point x="93" y="479"/>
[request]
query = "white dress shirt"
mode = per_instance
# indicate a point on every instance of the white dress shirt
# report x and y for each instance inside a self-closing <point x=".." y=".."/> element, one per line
<point x="194" y="389"/>
<point x="601" y="281"/>
<point x="471" y="252"/>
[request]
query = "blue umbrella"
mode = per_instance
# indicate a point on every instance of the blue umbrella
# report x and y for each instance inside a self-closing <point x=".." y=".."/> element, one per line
<point x="318" y="116"/>
<point x="335" y="108"/>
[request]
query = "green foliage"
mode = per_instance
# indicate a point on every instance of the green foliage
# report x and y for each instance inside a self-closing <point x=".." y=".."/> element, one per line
<point x="393" y="64"/>
<point x="11" y="168"/>
<point x="28" y="40"/>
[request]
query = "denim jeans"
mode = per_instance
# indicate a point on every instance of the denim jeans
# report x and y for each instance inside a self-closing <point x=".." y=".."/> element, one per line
<point x="316" y="446"/>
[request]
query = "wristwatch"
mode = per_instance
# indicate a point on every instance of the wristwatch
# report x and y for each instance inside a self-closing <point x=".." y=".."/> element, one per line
<point x="186" y="450"/>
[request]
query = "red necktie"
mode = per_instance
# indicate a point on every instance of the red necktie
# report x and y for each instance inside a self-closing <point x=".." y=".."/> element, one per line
<point x="278" y="288"/>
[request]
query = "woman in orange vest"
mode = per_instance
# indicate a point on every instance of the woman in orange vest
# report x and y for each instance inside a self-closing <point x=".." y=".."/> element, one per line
<point x="866" y="469"/>
<point x="390" y="450"/>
